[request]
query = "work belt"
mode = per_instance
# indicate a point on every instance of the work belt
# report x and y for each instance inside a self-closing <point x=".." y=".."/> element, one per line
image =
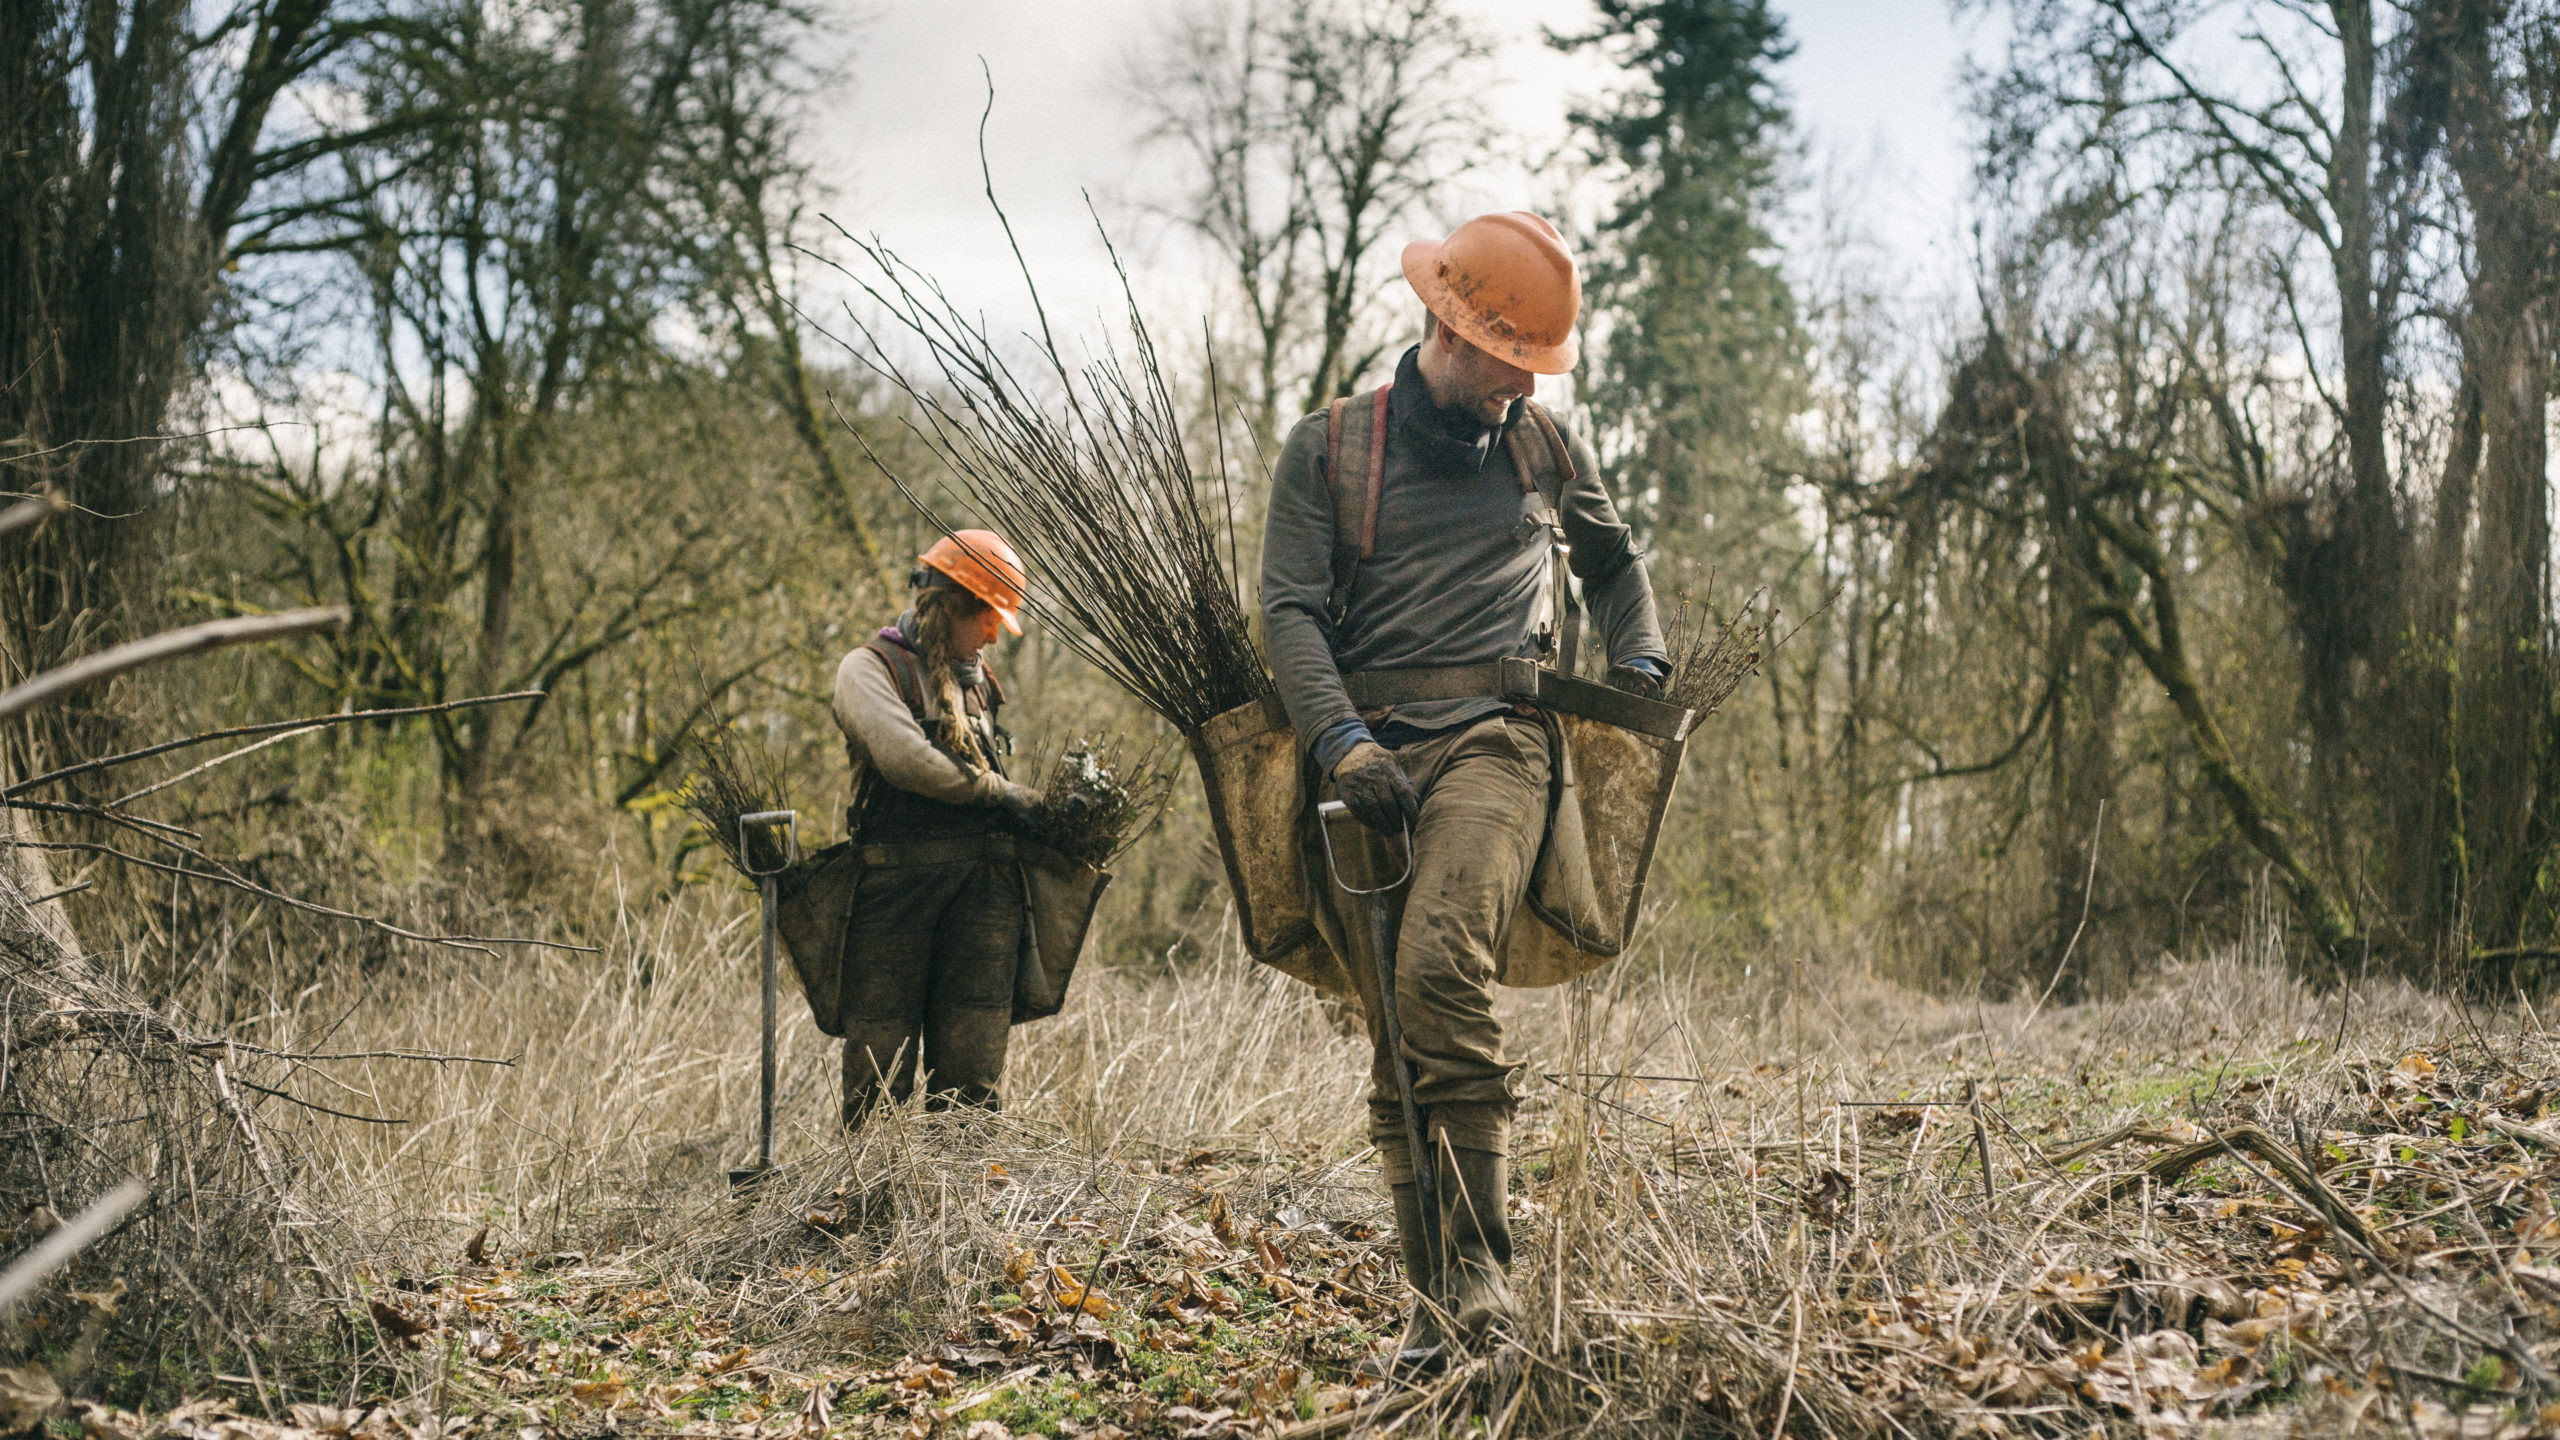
<point x="950" y="850"/>
<point x="1519" y="681"/>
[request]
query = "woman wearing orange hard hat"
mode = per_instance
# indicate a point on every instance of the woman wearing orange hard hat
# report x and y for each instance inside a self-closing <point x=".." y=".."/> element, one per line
<point x="936" y="919"/>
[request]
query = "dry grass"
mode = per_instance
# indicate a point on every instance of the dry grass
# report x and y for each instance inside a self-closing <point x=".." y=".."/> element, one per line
<point x="1734" y="1246"/>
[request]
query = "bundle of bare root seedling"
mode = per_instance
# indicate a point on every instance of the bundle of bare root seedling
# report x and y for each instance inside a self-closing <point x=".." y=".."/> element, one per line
<point x="1099" y="796"/>
<point x="1709" y="661"/>
<point x="1086" y="470"/>
<point x="734" y="777"/>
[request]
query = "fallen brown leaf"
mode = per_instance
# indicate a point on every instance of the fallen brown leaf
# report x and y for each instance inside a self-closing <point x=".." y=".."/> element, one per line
<point x="397" y="1323"/>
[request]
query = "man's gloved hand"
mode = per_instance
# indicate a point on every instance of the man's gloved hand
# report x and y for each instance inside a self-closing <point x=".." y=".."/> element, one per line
<point x="1022" y="808"/>
<point x="1635" y="681"/>
<point x="1374" y="789"/>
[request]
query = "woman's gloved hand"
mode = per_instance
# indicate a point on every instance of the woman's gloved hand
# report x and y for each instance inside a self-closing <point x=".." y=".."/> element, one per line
<point x="1023" y="809"/>
<point x="1374" y="788"/>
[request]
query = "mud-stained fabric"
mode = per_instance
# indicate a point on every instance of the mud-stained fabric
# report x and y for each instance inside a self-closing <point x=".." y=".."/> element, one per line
<point x="1484" y="800"/>
<point x="930" y="962"/>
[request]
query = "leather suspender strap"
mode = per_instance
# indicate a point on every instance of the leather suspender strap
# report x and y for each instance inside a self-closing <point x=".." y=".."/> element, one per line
<point x="1556" y="448"/>
<point x="1353" y="449"/>
<point x="1377" y="471"/>
<point x="904" y="672"/>
<point x="1564" y="607"/>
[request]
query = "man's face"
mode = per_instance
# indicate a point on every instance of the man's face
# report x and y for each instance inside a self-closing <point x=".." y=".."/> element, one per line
<point x="1478" y="383"/>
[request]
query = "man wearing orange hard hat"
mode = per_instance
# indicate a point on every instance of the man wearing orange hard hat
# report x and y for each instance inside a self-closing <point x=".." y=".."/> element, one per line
<point x="1419" y="539"/>
<point x="936" y="919"/>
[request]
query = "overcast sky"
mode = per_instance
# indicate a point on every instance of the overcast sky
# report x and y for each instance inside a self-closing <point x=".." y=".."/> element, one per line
<point x="1874" y="84"/>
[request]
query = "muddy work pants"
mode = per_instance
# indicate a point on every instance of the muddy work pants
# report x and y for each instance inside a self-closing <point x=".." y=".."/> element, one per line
<point x="1484" y="811"/>
<point x="929" y="961"/>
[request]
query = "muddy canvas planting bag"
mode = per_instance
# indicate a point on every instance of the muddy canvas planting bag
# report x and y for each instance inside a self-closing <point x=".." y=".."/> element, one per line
<point x="1059" y="896"/>
<point x="1256" y="784"/>
<point x="814" y="902"/>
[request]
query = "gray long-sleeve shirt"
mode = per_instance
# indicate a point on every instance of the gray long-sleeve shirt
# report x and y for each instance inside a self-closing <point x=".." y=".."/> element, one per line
<point x="881" y="733"/>
<point x="1455" y="578"/>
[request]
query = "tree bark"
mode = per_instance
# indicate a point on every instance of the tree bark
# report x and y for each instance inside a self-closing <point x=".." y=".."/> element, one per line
<point x="2504" y="685"/>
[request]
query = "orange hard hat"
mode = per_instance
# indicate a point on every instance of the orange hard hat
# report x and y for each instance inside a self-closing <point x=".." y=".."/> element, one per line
<point x="1507" y="285"/>
<point x="986" y="567"/>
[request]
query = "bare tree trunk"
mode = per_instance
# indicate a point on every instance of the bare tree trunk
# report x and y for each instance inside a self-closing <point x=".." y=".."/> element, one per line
<point x="2505" y="684"/>
<point x="112" y="241"/>
<point x="2422" y="798"/>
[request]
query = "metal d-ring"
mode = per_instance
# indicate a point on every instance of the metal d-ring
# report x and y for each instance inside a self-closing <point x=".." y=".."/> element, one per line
<point x="1332" y="810"/>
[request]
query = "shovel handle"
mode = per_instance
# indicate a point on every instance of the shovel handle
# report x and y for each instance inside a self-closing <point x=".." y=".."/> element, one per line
<point x="788" y="822"/>
<point x="1382" y="950"/>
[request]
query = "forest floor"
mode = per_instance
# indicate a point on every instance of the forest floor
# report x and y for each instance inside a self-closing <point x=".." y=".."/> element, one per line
<point x="1745" y="1205"/>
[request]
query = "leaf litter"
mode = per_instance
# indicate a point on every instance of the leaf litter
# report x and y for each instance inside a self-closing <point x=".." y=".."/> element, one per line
<point x="2280" y="1244"/>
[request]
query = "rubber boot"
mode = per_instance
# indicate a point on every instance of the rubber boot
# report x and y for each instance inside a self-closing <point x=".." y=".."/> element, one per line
<point x="1475" y="1223"/>
<point x="1424" y="1349"/>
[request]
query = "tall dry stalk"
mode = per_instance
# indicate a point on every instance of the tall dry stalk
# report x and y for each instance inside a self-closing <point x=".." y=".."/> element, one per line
<point x="1086" y="471"/>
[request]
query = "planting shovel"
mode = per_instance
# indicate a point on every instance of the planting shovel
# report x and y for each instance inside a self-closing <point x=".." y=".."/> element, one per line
<point x="1382" y="946"/>
<point x="788" y="823"/>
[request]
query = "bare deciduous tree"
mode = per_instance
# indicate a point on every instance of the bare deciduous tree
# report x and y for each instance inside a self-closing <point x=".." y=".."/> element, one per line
<point x="1314" y="130"/>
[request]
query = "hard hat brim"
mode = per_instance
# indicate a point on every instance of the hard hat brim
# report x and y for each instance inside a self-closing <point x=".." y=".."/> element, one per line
<point x="1422" y="271"/>
<point x="978" y="573"/>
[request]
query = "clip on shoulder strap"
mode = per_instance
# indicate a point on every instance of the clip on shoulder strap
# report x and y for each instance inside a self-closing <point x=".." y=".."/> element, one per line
<point x="1548" y="468"/>
<point x="1353" y="449"/>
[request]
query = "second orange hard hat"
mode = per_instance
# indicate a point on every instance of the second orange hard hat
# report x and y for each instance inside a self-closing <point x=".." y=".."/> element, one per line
<point x="982" y="564"/>
<point x="1507" y="285"/>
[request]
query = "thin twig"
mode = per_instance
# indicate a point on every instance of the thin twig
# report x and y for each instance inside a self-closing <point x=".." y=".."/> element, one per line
<point x="480" y="943"/>
<point x="270" y="727"/>
<point x="222" y="759"/>
<point x="116" y="660"/>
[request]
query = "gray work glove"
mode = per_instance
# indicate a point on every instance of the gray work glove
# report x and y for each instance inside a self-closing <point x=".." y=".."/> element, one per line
<point x="1373" y="787"/>
<point x="1634" y="682"/>
<point x="1022" y="808"/>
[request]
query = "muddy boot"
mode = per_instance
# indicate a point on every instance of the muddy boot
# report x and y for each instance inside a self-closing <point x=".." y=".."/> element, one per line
<point x="1475" y="1199"/>
<point x="1424" y="1350"/>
